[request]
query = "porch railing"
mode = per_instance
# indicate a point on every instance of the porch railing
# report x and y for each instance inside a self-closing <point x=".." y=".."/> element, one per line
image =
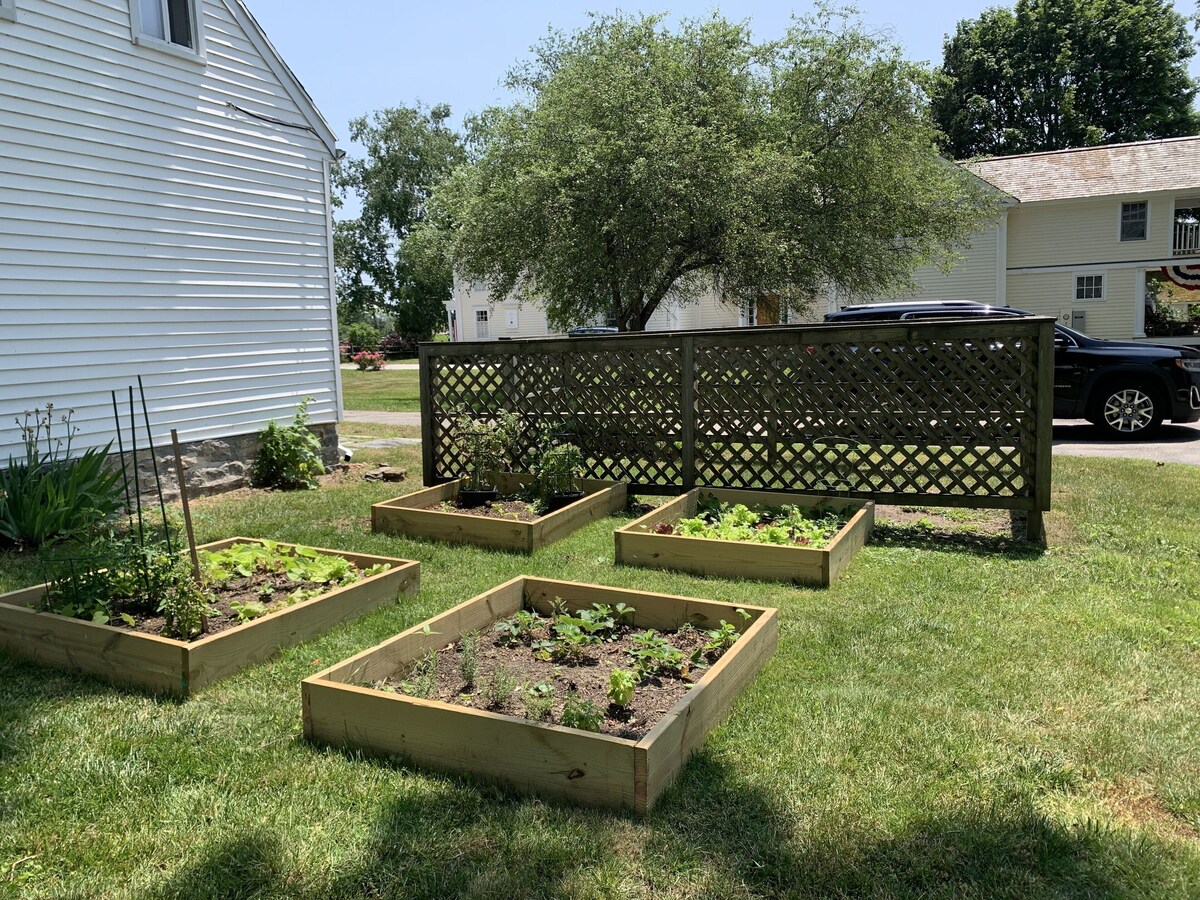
<point x="1187" y="239"/>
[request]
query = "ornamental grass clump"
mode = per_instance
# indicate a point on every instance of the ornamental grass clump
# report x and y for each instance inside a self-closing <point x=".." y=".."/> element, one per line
<point x="50" y="494"/>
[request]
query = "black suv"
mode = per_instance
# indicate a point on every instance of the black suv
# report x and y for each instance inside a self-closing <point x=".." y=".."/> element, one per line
<point x="1125" y="389"/>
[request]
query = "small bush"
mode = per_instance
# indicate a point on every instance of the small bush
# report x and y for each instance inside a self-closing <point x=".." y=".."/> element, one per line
<point x="361" y="336"/>
<point x="289" y="456"/>
<point x="50" y="494"/>
<point x="397" y="345"/>
<point x="367" y="361"/>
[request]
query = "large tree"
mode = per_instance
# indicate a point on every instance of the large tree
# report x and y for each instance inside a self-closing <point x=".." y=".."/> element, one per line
<point x="1053" y="74"/>
<point x="641" y="163"/>
<point x="407" y="152"/>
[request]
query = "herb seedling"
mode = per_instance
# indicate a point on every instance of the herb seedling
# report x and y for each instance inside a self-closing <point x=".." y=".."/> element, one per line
<point x="422" y="677"/>
<point x="539" y="700"/>
<point x="621" y="684"/>
<point x="582" y="714"/>
<point x="499" y="688"/>
<point x="468" y="657"/>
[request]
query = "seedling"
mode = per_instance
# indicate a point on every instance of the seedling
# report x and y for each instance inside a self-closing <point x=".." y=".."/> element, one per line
<point x="422" y="677"/>
<point x="251" y="609"/>
<point x="468" y="657"/>
<point x="621" y="684"/>
<point x="582" y="714"/>
<point x="499" y="688"/>
<point x="539" y="700"/>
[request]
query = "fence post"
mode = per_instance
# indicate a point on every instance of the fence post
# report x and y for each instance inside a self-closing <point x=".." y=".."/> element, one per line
<point x="687" y="409"/>
<point x="425" y="368"/>
<point x="1034" y="526"/>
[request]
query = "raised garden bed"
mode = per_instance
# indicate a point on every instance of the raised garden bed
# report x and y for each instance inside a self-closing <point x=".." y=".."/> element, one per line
<point x="411" y="515"/>
<point x="130" y="657"/>
<point x="345" y="705"/>
<point x="638" y="543"/>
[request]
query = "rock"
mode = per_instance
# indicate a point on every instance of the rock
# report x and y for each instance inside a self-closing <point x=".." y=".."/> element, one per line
<point x="386" y="473"/>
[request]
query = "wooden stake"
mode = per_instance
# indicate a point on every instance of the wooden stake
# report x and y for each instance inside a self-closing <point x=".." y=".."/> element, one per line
<point x="187" y="517"/>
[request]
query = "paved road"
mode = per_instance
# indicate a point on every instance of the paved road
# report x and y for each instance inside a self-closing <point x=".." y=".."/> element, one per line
<point x="1175" y="443"/>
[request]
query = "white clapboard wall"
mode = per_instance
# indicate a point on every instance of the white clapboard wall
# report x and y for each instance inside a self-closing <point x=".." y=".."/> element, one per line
<point x="148" y="227"/>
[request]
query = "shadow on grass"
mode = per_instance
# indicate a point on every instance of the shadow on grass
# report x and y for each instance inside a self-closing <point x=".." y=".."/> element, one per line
<point x="954" y="540"/>
<point x="241" y="866"/>
<point x="1005" y="851"/>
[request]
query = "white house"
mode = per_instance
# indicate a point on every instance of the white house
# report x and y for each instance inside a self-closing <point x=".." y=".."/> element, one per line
<point x="1079" y="235"/>
<point x="164" y="211"/>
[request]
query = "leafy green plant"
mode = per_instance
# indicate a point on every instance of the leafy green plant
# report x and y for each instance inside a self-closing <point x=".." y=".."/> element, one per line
<point x="621" y="685"/>
<point x="360" y="336"/>
<point x="468" y="657"/>
<point x="722" y="638"/>
<point x="653" y="654"/>
<point x="558" y="469"/>
<point x="518" y="628"/>
<point x="539" y="700"/>
<point x="581" y="713"/>
<point x="250" y="609"/>
<point x="788" y="525"/>
<point x="289" y="456"/>
<point x="50" y="494"/>
<point x="487" y="446"/>
<point x="500" y="687"/>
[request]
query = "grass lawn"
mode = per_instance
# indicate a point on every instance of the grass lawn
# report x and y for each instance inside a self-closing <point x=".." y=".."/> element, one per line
<point x="954" y="718"/>
<point x="391" y="390"/>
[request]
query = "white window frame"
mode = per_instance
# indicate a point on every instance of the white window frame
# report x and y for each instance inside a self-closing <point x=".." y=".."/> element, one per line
<point x="8" y="10"/>
<point x="483" y="318"/>
<point x="194" y="52"/>
<point x="749" y="314"/>
<point x="1121" y="222"/>
<point x="1075" y="276"/>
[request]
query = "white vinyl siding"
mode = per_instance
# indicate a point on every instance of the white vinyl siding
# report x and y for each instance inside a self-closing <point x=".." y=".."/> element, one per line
<point x="1083" y="233"/>
<point x="8" y="10"/>
<point x="1052" y="293"/>
<point x="972" y="278"/>
<point x="151" y="229"/>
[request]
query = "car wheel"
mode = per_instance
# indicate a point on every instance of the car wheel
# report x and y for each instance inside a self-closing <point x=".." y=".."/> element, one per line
<point x="1128" y="411"/>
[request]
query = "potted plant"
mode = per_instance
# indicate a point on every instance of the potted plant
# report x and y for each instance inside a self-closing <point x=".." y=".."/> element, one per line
<point x="558" y="469"/>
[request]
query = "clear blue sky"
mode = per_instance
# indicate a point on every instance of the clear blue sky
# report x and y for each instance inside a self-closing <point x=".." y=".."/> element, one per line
<point x="362" y="55"/>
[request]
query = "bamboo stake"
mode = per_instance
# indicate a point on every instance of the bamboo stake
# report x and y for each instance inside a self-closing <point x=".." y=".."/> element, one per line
<point x="162" y="505"/>
<point x="187" y="517"/>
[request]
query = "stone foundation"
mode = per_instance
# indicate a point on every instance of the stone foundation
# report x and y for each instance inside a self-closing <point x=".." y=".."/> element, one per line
<point x="214" y="466"/>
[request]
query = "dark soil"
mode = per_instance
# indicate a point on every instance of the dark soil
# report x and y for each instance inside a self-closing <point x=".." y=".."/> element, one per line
<point x="652" y="699"/>
<point x="221" y="596"/>
<point x="513" y="508"/>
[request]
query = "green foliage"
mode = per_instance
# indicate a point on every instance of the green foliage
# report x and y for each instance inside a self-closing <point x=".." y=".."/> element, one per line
<point x="788" y="525"/>
<point x="1052" y="74"/>
<point x="722" y="638"/>
<point x="498" y="689"/>
<point x="408" y="151"/>
<point x="582" y="714"/>
<point x="641" y="162"/>
<point x="539" y="700"/>
<point x="50" y="495"/>
<point x="422" y="676"/>
<point x="557" y="466"/>
<point x="468" y="657"/>
<point x="487" y="446"/>
<point x="653" y="654"/>
<point x="289" y="456"/>
<point x="250" y="609"/>
<point x="360" y="336"/>
<point x="621" y="685"/>
<point x="518" y="628"/>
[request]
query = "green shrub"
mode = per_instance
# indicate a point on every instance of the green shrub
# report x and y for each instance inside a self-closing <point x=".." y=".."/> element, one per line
<point x="50" y="494"/>
<point x="289" y="456"/>
<point x="361" y="336"/>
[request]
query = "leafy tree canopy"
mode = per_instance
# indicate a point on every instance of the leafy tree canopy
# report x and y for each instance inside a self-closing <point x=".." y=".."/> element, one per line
<point x="642" y="163"/>
<point x="408" y="151"/>
<point x="1054" y="74"/>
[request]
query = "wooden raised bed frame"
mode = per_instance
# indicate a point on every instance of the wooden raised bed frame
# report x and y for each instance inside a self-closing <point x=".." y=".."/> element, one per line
<point x="165" y="665"/>
<point x="578" y="766"/>
<point x="408" y="515"/>
<point x="636" y="545"/>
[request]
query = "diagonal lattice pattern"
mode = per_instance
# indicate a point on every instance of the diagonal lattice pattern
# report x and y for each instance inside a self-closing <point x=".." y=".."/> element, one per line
<point x="928" y="412"/>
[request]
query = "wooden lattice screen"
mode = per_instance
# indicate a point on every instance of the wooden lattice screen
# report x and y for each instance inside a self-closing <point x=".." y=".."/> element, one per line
<point x="946" y="413"/>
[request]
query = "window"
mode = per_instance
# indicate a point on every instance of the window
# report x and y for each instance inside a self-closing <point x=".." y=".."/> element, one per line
<point x="750" y="313"/>
<point x="8" y="10"/>
<point x="1135" y="219"/>
<point x="1089" y="287"/>
<point x="482" y="332"/>
<point x="173" y="22"/>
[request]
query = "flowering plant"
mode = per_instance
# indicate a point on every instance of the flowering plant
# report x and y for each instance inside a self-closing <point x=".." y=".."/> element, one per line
<point x="368" y="361"/>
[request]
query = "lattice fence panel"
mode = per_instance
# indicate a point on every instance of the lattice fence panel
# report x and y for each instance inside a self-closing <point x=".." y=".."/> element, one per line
<point x="929" y="411"/>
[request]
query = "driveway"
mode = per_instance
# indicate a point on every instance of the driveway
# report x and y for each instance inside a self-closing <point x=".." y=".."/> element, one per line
<point x="1174" y="443"/>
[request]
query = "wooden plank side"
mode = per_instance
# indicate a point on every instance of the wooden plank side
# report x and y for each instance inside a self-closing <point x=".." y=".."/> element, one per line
<point x="386" y="658"/>
<point x="422" y="498"/>
<point x="217" y="656"/>
<point x="603" y="499"/>
<point x="669" y="744"/>
<point x="583" y="768"/>
<point x="849" y="541"/>
<point x="124" y="657"/>
<point x="659" y="611"/>
<point x="30" y="596"/>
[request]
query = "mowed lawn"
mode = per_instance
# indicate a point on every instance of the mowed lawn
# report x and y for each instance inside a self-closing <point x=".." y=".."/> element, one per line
<point x="390" y="390"/>
<point x="959" y="716"/>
